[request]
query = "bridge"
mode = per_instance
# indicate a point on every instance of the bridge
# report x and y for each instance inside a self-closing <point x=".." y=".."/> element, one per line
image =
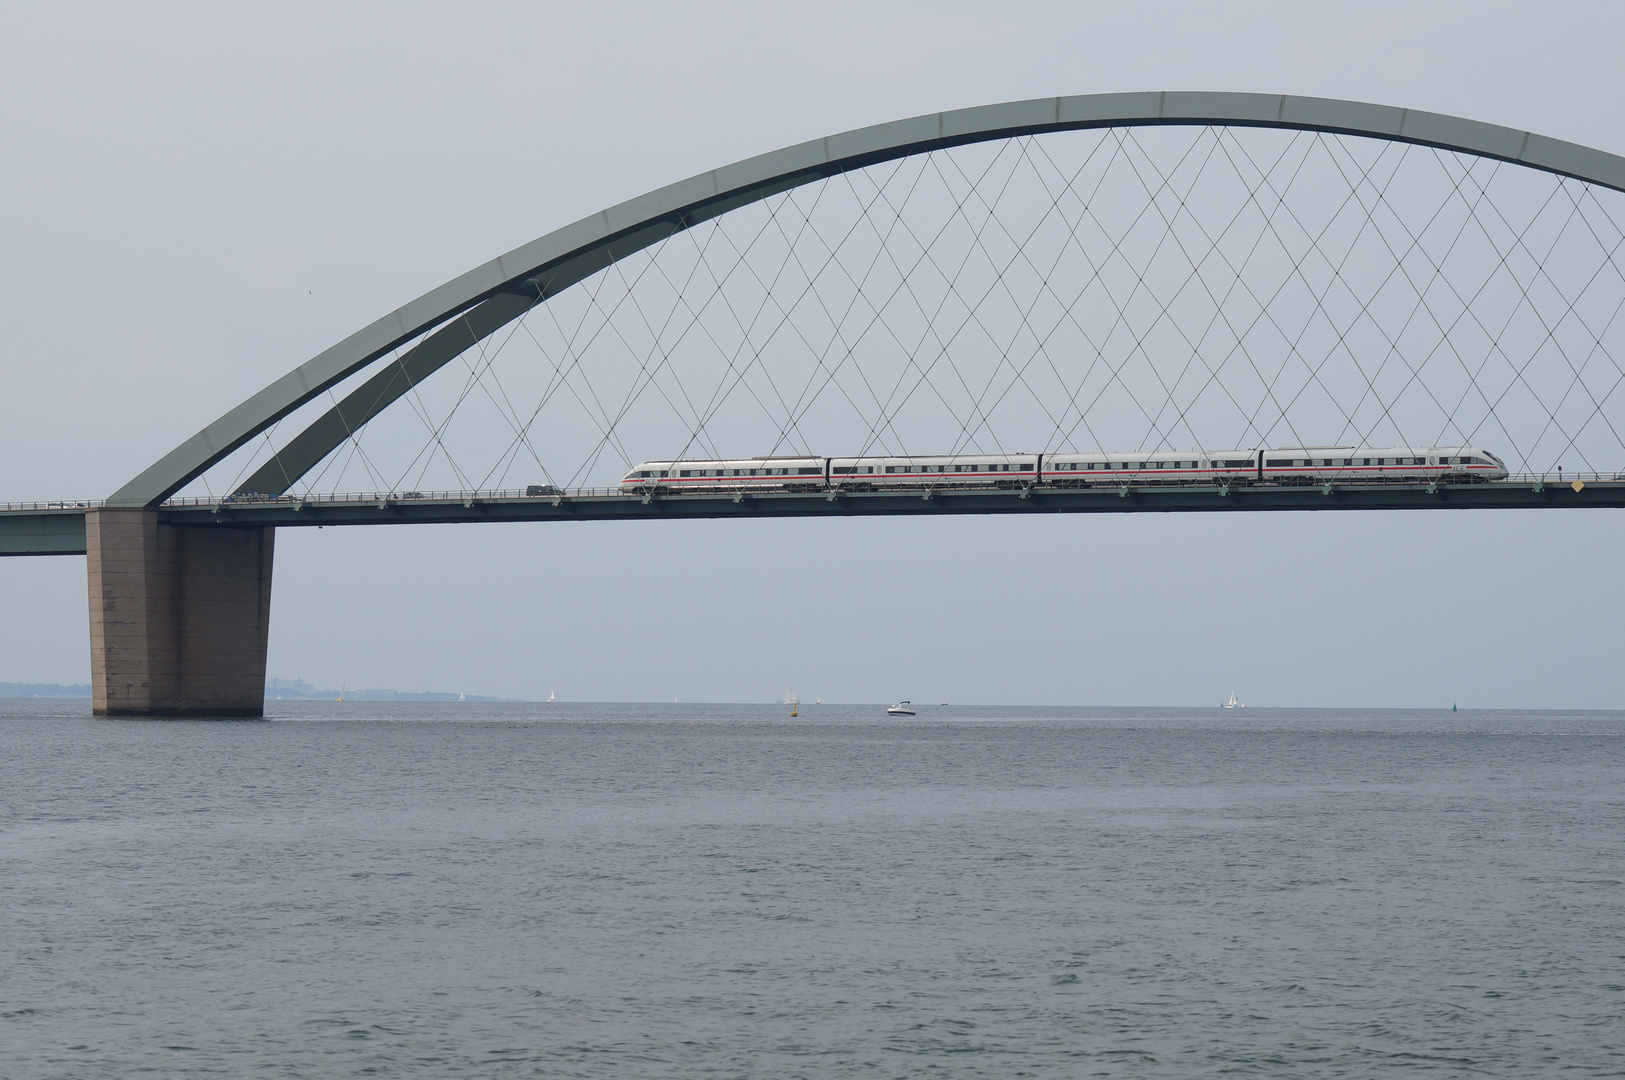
<point x="1362" y="272"/>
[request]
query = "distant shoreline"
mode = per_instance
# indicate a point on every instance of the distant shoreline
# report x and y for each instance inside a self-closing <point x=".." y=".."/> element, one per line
<point x="69" y="691"/>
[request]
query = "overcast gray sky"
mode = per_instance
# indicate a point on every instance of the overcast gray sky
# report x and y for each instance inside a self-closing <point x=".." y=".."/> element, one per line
<point x="199" y="197"/>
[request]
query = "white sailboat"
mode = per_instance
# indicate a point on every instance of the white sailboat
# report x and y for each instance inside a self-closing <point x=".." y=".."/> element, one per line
<point x="1233" y="703"/>
<point x="550" y="695"/>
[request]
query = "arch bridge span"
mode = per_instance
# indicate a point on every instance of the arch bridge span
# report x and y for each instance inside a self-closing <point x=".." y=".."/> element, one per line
<point x="475" y="305"/>
<point x="180" y="587"/>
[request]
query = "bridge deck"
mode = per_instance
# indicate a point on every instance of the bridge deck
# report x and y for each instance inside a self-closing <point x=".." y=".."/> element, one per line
<point x="56" y="529"/>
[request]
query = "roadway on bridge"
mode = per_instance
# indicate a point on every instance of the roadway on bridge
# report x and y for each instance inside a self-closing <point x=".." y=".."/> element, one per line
<point x="59" y="528"/>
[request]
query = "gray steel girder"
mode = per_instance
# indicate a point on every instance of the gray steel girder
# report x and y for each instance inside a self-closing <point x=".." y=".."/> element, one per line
<point x="62" y="532"/>
<point x="1131" y="498"/>
<point x="42" y="532"/>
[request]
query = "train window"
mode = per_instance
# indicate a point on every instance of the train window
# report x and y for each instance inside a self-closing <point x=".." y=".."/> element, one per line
<point x="806" y="472"/>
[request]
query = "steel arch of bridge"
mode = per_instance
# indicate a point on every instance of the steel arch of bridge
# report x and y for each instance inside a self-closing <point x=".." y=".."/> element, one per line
<point x="470" y="307"/>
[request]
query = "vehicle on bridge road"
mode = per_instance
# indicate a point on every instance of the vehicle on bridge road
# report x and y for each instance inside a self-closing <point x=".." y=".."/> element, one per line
<point x="1280" y="466"/>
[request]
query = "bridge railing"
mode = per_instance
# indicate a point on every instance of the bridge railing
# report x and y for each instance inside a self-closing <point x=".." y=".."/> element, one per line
<point x="1137" y="478"/>
<point x="385" y="496"/>
<point x="54" y="504"/>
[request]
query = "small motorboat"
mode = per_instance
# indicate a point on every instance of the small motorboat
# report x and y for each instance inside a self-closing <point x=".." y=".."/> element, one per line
<point x="902" y="708"/>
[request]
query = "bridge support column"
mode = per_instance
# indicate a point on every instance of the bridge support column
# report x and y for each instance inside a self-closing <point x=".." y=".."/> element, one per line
<point x="179" y="615"/>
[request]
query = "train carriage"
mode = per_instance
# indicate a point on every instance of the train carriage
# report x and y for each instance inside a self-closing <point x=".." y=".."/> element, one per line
<point x="1280" y="465"/>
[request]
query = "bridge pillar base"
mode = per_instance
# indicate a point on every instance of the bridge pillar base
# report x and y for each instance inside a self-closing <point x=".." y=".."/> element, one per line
<point x="179" y="615"/>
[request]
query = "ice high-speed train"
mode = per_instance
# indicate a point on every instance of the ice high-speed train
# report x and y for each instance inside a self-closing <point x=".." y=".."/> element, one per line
<point x="1285" y="465"/>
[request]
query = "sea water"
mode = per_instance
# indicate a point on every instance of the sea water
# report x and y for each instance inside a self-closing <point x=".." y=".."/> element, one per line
<point x="638" y="891"/>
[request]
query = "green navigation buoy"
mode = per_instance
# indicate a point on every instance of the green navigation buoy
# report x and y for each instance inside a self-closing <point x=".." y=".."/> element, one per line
<point x="1452" y="708"/>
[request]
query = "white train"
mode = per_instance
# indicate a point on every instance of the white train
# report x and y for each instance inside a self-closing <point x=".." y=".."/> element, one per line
<point x="1283" y="465"/>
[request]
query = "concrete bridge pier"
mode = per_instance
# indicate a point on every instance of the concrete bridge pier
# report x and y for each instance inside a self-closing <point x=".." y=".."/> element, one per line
<point x="179" y="615"/>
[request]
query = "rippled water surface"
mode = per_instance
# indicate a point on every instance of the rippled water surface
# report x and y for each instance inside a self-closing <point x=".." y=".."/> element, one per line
<point x="721" y="891"/>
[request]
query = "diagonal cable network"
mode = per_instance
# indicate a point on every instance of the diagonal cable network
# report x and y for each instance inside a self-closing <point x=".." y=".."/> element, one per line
<point x="1117" y="290"/>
